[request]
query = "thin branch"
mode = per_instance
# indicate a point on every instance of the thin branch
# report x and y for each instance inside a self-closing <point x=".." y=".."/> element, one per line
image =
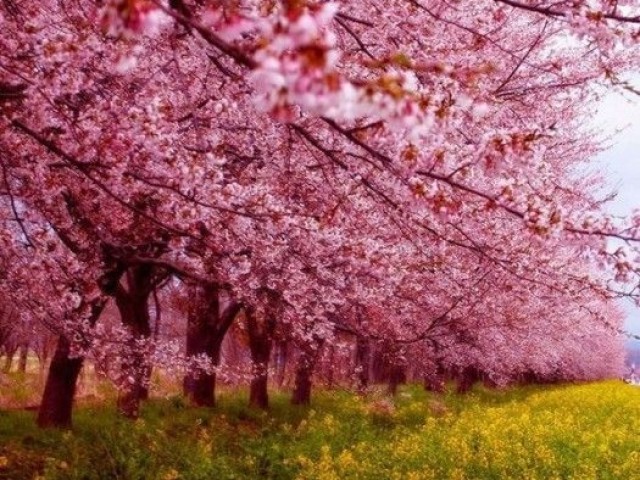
<point x="14" y="207"/>
<point x="211" y="38"/>
<point x="553" y="12"/>
<point x="83" y="168"/>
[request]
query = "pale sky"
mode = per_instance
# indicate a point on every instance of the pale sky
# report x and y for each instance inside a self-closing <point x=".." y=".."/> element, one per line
<point x="622" y="164"/>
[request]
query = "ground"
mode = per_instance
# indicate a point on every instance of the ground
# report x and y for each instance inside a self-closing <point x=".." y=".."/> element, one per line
<point x="535" y="432"/>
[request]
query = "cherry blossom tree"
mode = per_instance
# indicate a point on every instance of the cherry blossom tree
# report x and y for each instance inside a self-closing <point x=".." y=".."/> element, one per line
<point x="409" y="175"/>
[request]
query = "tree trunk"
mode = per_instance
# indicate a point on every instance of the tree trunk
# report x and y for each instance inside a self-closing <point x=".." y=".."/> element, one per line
<point x="8" y="362"/>
<point x="60" y="388"/>
<point x="130" y="399"/>
<point x="396" y="377"/>
<point x="133" y="305"/>
<point x="206" y="329"/>
<point x="22" y="359"/>
<point x="467" y="379"/>
<point x="57" y="400"/>
<point x="363" y="360"/>
<point x="200" y="387"/>
<point x="302" y="386"/>
<point x="378" y="363"/>
<point x="258" y="392"/>
<point x="260" y="332"/>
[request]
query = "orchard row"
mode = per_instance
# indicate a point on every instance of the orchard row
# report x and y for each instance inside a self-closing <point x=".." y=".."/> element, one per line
<point x="384" y="189"/>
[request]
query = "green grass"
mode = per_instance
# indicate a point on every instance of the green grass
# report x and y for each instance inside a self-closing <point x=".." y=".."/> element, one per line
<point x="578" y="431"/>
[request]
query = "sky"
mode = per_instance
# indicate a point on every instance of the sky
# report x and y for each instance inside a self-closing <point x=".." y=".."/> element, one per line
<point x="621" y="162"/>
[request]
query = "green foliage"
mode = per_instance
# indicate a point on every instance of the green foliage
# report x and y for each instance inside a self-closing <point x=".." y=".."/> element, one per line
<point x="579" y="431"/>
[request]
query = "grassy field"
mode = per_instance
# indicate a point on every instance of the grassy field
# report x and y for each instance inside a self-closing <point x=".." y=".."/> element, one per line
<point x="578" y="431"/>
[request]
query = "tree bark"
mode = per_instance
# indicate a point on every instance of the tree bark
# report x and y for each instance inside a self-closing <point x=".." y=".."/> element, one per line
<point x="133" y="305"/>
<point x="258" y="391"/>
<point x="60" y="388"/>
<point x="57" y="400"/>
<point x="260" y="332"/>
<point x="302" y="386"/>
<point x="467" y="378"/>
<point x="22" y="359"/>
<point x="206" y="329"/>
<point x="396" y="377"/>
<point x="379" y="366"/>
<point x="304" y="371"/>
<point x="200" y="387"/>
<point x="8" y="361"/>
<point x="363" y="360"/>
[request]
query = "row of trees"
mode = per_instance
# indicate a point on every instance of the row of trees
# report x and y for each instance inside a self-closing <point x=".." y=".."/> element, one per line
<point x="372" y="190"/>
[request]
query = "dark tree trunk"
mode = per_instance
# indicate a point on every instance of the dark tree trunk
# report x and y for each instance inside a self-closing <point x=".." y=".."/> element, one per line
<point x="60" y="388"/>
<point x="302" y="386"/>
<point x="129" y="400"/>
<point x="22" y="359"/>
<point x="379" y="367"/>
<point x="258" y="392"/>
<point x="363" y="360"/>
<point x="466" y="379"/>
<point x="43" y="357"/>
<point x="133" y="305"/>
<point x="304" y="371"/>
<point x="200" y="387"/>
<point x="260" y="332"/>
<point x="528" y="378"/>
<point x="8" y="362"/>
<point x="396" y="377"/>
<point x="206" y="329"/>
